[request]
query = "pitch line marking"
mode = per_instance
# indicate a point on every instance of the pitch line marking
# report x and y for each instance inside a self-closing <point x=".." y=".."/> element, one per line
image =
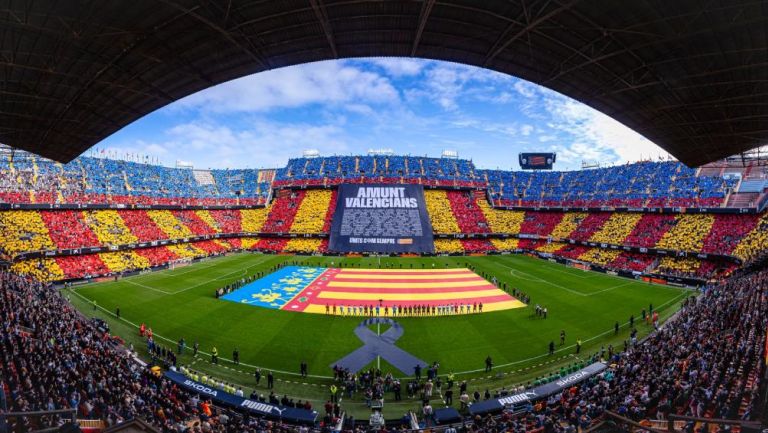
<point x="677" y="298"/>
<point x="611" y="288"/>
<point x="148" y="287"/>
<point x="570" y="274"/>
<point x="513" y="272"/>
<point x="243" y="271"/>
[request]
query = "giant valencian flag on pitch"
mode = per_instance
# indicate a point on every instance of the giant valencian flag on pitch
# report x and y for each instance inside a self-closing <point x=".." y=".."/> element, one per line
<point x="309" y="290"/>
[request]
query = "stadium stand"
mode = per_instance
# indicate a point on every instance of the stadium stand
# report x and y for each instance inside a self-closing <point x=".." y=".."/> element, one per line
<point x="440" y="212"/>
<point x="109" y="227"/>
<point x="87" y="180"/>
<point x="23" y="231"/>
<point x="31" y="179"/>
<point x="688" y="233"/>
<point x="142" y="226"/>
<point x="310" y="216"/>
<point x="88" y="361"/>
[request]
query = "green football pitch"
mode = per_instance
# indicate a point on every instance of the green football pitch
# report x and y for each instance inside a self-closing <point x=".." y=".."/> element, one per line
<point x="181" y="303"/>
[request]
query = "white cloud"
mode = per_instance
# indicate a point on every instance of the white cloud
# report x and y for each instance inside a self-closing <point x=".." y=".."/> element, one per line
<point x="525" y="88"/>
<point x="597" y="134"/>
<point x="526" y="129"/>
<point x="328" y="82"/>
<point x="399" y="66"/>
<point x="546" y="138"/>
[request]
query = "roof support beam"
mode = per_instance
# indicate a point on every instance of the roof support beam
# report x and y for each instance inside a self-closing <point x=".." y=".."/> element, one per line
<point x="325" y="23"/>
<point x="501" y="44"/>
<point x="426" y="9"/>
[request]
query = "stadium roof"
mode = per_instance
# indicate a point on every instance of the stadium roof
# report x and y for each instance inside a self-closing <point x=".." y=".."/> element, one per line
<point x="690" y="75"/>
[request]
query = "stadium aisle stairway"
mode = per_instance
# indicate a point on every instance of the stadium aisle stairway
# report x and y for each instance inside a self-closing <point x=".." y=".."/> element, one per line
<point x="440" y="214"/>
<point x="23" y="230"/>
<point x="616" y="228"/>
<point x="141" y="225"/>
<point x="310" y="215"/>
<point x="109" y="227"/>
<point x="169" y="224"/>
<point x="688" y="233"/>
<point x="468" y="215"/>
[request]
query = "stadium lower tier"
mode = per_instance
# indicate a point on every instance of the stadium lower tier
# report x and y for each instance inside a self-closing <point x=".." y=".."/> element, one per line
<point x="451" y="212"/>
<point x="715" y="341"/>
<point x="84" y="266"/>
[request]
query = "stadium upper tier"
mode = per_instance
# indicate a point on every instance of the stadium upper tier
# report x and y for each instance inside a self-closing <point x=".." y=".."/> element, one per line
<point x="25" y="178"/>
<point x="644" y="184"/>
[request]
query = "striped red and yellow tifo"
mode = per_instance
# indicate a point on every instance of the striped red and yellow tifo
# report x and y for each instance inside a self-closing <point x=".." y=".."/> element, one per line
<point x="399" y="287"/>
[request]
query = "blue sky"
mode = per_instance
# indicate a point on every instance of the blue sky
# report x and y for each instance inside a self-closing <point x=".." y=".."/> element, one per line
<point x="412" y="106"/>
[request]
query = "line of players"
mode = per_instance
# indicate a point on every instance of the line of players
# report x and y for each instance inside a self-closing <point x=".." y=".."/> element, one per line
<point x="403" y="310"/>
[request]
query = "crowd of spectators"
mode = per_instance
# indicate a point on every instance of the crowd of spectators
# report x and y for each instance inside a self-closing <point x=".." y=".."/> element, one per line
<point x="283" y="211"/>
<point x="468" y="215"/>
<point x="706" y="361"/>
<point x="688" y="232"/>
<point x="500" y="221"/>
<point x="53" y="358"/>
<point x="27" y="178"/>
<point x="643" y="184"/>
<point x="650" y="229"/>
<point x="440" y="212"/>
<point x="192" y="220"/>
<point x="311" y="215"/>
<point x="616" y="228"/>
<point x="109" y="227"/>
<point x="755" y="244"/>
<point x="589" y="225"/>
<point x="169" y="224"/>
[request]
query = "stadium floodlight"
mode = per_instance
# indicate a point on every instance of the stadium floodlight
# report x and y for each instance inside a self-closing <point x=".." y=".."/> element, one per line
<point x="450" y="154"/>
<point x="381" y="152"/>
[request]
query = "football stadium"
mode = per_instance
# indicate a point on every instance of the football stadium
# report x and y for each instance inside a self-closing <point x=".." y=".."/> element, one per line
<point x="378" y="290"/>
